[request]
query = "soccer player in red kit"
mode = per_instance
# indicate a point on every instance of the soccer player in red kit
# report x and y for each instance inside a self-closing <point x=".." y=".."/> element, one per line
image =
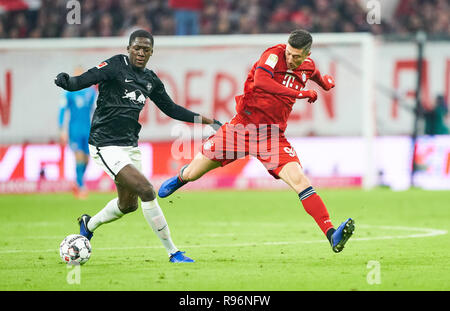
<point x="272" y="87"/>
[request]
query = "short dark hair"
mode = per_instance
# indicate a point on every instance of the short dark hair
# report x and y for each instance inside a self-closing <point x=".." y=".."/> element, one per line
<point x="140" y="33"/>
<point x="300" y="39"/>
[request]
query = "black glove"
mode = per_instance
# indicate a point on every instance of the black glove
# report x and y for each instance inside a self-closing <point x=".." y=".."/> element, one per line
<point x="216" y="125"/>
<point x="62" y="80"/>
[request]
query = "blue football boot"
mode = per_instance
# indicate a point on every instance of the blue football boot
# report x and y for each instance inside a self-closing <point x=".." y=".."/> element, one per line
<point x="342" y="234"/>
<point x="179" y="257"/>
<point x="84" y="231"/>
<point x="171" y="185"/>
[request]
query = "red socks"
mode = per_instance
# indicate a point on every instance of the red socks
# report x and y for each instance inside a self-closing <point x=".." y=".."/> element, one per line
<point x="315" y="207"/>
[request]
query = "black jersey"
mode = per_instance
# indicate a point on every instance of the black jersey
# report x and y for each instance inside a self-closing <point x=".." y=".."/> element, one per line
<point x="123" y="92"/>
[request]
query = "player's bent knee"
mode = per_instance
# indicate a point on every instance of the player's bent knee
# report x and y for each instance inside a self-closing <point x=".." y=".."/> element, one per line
<point x="128" y="207"/>
<point x="300" y="182"/>
<point x="300" y="186"/>
<point x="131" y="208"/>
<point x="294" y="176"/>
<point x="147" y="193"/>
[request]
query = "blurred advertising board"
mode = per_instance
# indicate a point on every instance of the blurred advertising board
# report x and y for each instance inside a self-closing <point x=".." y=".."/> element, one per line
<point x="328" y="161"/>
<point x="206" y="79"/>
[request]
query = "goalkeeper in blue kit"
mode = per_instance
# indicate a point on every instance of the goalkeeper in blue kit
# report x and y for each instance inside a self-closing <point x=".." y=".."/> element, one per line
<point x="79" y="106"/>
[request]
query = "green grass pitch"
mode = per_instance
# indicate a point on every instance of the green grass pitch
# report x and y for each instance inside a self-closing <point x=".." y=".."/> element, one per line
<point x="241" y="240"/>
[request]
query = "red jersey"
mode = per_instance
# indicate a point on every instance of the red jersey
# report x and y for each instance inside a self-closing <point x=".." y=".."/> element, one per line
<point x="272" y="105"/>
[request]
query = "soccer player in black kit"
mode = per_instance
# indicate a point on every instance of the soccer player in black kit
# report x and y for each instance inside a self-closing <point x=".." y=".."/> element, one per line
<point x="124" y="86"/>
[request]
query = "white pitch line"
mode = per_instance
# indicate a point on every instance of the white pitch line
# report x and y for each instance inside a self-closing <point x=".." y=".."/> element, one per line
<point x="425" y="232"/>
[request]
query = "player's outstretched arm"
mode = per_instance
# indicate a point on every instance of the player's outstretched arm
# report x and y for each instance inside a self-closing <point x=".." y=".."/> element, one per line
<point x="265" y="82"/>
<point x="105" y="71"/>
<point x="311" y="95"/>
<point x="326" y="82"/>
<point x="163" y="101"/>
<point x="180" y="113"/>
<point x="71" y="84"/>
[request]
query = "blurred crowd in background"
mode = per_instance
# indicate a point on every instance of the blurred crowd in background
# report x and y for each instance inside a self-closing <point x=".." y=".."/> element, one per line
<point x="103" y="18"/>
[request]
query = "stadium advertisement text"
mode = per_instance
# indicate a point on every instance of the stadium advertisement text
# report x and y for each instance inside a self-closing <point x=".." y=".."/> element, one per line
<point x="329" y="161"/>
<point x="207" y="79"/>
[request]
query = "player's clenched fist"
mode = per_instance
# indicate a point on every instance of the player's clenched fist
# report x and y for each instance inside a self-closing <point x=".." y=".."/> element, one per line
<point x="327" y="82"/>
<point x="311" y="95"/>
<point x="62" y="80"/>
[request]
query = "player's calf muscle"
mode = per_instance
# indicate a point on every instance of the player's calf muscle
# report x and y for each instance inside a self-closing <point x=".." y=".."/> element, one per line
<point x="198" y="167"/>
<point x="192" y="173"/>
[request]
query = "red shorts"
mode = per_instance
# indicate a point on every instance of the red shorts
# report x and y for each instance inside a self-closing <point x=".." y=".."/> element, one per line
<point x="266" y="142"/>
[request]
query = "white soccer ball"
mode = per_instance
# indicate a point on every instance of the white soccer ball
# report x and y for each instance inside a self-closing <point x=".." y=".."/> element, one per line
<point x="75" y="249"/>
